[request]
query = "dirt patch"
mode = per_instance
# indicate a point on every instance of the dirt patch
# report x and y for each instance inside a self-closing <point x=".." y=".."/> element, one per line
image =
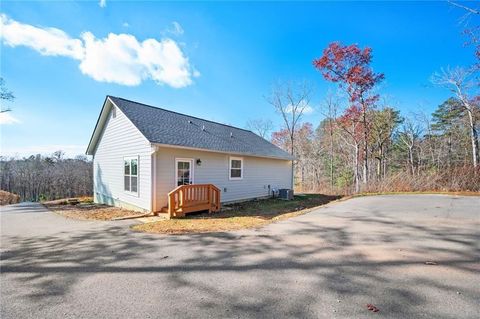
<point x="85" y="209"/>
<point x="239" y="216"/>
<point x="7" y="198"/>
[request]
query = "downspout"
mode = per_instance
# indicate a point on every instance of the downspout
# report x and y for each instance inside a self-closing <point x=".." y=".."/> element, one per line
<point x="292" y="175"/>
<point x="153" y="197"/>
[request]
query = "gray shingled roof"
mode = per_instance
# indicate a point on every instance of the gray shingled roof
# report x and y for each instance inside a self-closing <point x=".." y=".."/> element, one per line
<point x="170" y="128"/>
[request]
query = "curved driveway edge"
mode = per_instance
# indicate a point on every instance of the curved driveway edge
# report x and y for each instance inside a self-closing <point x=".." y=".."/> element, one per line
<point x="326" y="264"/>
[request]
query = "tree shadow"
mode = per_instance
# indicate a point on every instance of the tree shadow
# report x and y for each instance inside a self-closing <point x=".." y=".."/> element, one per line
<point x="23" y="208"/>
<point x="267" y="208"/>
<point x="297" y="268"/>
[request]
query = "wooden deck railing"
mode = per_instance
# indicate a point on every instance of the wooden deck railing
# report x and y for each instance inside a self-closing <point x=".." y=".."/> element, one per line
<point x="191" y="198"/>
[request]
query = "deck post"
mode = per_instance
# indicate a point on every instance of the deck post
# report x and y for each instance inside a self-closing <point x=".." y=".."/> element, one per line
<point x="171" y="204"/>
<point x="209" y="198"/>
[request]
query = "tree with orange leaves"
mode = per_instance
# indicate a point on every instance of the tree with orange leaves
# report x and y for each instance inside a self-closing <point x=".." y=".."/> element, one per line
<point x="349" y="66"/>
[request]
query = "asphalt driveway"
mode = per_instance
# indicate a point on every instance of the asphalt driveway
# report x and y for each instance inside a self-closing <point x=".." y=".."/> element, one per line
<point x="327" y="264"/>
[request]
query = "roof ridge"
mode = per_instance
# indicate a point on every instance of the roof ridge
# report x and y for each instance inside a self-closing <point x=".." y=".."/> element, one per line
<point x="195" y="117"/>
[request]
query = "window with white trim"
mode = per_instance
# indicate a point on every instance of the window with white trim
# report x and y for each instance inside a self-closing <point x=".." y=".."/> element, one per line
<point x="236" y="168"/>
<point x="130" y="174"/>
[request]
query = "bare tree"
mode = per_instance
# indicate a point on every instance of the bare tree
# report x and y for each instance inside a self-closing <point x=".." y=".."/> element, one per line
<point x="351" y="138"/>
<point x="469" y="10"/>
<point x="384" y="124"/>
<point x="46" y="177"/>
<point x="290" y="100"/>
<point x="457" y="81"/>
<point x="409" y="136"/>
<point x="261" y="127"/>
<point x="331" y="106"/>
<point x="5" y="95"/>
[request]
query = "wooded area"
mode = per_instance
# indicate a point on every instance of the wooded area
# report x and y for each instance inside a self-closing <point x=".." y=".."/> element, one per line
<point x="363" y="144"/>
<point x="411" y="153"/>
<point x="47" y="177"/>
<point x="366" y="144"/>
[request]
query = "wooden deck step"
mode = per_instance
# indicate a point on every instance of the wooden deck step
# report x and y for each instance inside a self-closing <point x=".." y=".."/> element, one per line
<point x="192" y="198"/>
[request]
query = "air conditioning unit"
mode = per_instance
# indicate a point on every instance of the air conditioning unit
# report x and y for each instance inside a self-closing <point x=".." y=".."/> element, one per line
<point x="275" y="192"/>
<point x="286" y="194"/>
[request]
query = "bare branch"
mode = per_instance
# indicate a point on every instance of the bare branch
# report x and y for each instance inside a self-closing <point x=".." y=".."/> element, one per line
<point x="290" y="100"/>
<point x="260" y="126"/>
<point x="469" y="9"/>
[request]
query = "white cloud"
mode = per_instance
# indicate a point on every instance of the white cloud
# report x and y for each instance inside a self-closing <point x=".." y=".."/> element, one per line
<point x="118" y="58"/>
<point x="307" y="110"/>
<point x="125" y="24"/>
<point x="175" y="29"/>
<point x="102" y="3"/>
<point x="121" y="58"/>
<point x="47" y="41"/>
<point x="7" y="118"/>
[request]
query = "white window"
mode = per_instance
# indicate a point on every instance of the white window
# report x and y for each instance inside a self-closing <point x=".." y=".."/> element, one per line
<point x="184" y="171"/>
<point x="114" y="112"/>
<point x="130" y="173"/>
<point x="236" y="168"/>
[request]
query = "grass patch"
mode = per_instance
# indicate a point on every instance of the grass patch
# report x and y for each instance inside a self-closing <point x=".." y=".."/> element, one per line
<point x="239" y="216"/>
<point x="85" y="209"/>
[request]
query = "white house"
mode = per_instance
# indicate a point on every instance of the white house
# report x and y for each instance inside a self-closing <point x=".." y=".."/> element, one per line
<point x="142" y="153"/>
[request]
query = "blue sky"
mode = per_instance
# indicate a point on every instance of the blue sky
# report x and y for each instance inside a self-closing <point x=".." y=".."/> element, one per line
<point x="219" y="60"/>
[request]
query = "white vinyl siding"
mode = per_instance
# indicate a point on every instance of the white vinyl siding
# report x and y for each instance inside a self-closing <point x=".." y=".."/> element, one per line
<point x="257" y="174"/>
<point x="119" y="140"/>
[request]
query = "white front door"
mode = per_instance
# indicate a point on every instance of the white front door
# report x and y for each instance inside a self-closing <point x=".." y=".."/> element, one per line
<point x="183" y="171"/>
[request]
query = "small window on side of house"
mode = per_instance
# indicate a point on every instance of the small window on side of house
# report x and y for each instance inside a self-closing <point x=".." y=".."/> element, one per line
<point x="236" y="168"/>
<point x="130" y="174"/>
<point x="114" y="112"/>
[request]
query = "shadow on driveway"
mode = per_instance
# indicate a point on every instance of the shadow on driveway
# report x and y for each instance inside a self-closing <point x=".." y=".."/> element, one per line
<point x="326" y="264"/>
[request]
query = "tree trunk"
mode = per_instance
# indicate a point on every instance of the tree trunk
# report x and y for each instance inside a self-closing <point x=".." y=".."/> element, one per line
<point x="303" y="177"/>
<point x="365" y="148"/>
<point x="331" y="158"/>
<point x="473" y="137"/>
<point x="380" y="162"/>
<point x="379" y="167"/>
<point x="292" y="138"/>
<point x="449" y="156"/>
<point x="356" y="170"/>
<point x="412" y="163"/>
<point x="384" y="168"/>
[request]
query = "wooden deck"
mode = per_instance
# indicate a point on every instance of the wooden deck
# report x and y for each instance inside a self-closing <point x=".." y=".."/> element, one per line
<point x="192" y="198"/>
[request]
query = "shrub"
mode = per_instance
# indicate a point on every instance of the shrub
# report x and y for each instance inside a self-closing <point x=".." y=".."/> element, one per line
<point x="7" y="198"/>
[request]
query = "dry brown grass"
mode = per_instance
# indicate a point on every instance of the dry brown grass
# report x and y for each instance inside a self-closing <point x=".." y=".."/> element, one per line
<point x="464" y="193"/>
<point x="455" y="179"/>
<point x="87" y="210"/>
<point x="7" y="198"/>
<point x="239" y="216"/>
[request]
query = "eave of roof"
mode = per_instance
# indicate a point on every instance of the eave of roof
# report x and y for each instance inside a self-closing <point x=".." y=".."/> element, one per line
<point x="247" y="144"/>
<point x="93" y="143"/>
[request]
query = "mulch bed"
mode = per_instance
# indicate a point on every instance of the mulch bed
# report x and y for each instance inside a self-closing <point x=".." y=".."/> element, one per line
<point x="244" y="215"/>
<point x="85" y="209"/>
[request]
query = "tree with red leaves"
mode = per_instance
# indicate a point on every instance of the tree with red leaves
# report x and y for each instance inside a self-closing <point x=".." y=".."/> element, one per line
<point x="304" y="150"/>
<point x="282" y="139"/>
<point x="349" y="66"/>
